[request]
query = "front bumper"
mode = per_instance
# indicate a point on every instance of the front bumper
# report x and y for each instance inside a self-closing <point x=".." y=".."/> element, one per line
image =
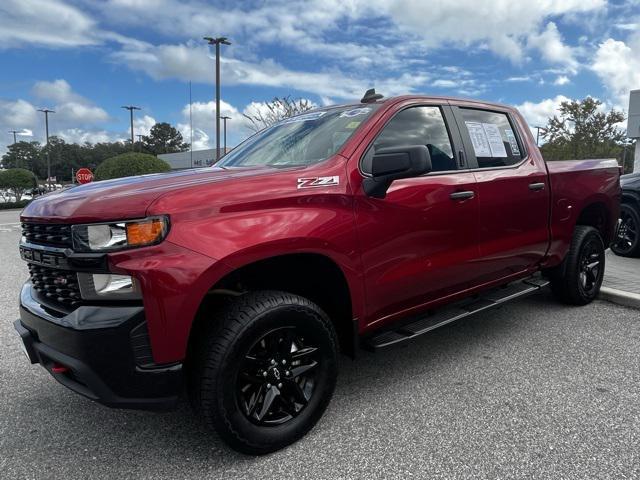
<point x="100" y="352"/>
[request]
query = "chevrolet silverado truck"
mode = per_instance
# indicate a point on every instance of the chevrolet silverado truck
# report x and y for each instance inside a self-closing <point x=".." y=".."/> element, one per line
<point x="361" y="225"/>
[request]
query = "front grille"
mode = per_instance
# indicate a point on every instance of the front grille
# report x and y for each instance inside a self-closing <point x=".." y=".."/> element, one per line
<point x="55" y="235"/>
<point x="56" y="286"/>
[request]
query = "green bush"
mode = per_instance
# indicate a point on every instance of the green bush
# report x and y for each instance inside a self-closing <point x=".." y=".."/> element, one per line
<point x="129" y="164"/>
<point x="17" y="181"/>
<point x="9" y="205"/>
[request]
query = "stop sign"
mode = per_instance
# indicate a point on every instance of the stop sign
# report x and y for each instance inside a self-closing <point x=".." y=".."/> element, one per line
<point x="84" y="175"/>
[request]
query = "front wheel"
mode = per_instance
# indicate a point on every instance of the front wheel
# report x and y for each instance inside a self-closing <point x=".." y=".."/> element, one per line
<point x="266" y="371"/>
<point x="578" y="279"/>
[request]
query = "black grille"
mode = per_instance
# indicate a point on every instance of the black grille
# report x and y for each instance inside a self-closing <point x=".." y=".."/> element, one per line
<point x="55" y="235"/>
<point x="56" y="286"/>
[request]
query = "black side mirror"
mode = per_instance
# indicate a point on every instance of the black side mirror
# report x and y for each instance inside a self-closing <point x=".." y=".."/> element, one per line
<point x="394" y="163"/>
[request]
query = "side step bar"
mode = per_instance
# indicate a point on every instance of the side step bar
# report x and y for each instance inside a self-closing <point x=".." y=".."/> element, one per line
<point x="456" y="311"/>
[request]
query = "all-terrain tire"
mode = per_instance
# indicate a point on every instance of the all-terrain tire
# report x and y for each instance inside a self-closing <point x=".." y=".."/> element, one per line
<point x="578" y="279"/>
<point x="219" y="364"/>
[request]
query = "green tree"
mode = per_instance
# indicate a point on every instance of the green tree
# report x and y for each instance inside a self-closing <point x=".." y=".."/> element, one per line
<point x="163" y="138"/>
<point x="21" y="155"/>
<point x="129" y="164"/>
<point x="583" y="130"/>
<point x="94" y="154"/>
<point x="17" y="181"/>
<point x="64" y="158"/>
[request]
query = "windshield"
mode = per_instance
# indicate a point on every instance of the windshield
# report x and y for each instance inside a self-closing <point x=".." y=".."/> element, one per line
<point x="302" y="140"/>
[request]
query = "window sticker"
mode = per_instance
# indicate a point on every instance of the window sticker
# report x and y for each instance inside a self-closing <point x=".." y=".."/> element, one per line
<point x="495" y="140"/>
<point x="512" y="141"/>
<point x="352" y="125"/>
<point x="355" y="112"/>
<point x="478" y="139"/>
<point x="307" y="117"/>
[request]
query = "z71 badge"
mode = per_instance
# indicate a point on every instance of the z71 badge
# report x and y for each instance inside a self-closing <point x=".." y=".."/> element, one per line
<point x="313" y="182"/>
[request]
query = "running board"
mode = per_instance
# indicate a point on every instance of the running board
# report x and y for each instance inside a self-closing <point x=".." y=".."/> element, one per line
<point x="456" y="311"/>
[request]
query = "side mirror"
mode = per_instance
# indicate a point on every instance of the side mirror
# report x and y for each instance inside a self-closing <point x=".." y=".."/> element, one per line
<point x="394" y="163"/>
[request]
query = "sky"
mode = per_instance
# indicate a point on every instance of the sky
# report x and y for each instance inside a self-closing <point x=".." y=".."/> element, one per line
<point x="86" y="58"/>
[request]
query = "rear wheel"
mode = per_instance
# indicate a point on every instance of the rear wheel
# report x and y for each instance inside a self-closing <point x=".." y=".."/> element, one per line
<point x="578" y="280"/>
<point x="627" y="241"/>
<point x="266" y="374"/>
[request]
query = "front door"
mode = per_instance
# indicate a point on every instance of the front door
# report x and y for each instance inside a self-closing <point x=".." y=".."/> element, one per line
<point x="418" y="243"/>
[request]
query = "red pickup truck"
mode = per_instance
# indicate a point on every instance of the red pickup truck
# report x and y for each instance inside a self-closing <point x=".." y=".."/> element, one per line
<point x="361" y="225"/>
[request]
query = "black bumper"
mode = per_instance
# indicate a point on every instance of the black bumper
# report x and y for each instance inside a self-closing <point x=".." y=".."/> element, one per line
<point x="101" y="350"/>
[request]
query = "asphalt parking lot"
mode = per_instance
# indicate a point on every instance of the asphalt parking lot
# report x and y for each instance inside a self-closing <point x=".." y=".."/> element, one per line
<point x="534" y="389"/>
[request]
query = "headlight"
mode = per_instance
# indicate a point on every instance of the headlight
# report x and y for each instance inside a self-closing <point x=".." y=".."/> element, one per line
<point x="105" y="237"/>
<point x="108" y="286"/>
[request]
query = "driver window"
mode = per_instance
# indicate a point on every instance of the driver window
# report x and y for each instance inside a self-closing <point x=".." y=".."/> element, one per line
<point x="423" y="125"/>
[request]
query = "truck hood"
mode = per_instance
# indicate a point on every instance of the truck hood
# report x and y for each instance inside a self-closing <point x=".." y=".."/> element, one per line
<point x="124" y="198"/>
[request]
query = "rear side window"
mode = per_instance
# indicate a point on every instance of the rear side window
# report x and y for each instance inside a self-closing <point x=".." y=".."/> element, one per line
<point x="422" y="125"/>
<point x="494" y="140"/>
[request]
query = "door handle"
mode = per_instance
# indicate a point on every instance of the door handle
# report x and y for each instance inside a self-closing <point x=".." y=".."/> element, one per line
<point x="536" y="186"/>
<point x="462" y="195"/>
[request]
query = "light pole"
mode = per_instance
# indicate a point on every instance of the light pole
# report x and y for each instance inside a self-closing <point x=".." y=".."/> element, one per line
<point x="15" y="132"/>
<point x="225" y="133"/>
<point x="46" y="112"/>
<point x="131" y="108"/>
<point x="217" y="42"/>
<point x="538" y="134"/>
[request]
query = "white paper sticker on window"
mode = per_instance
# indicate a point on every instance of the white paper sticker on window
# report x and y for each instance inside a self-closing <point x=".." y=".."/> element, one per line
<point x="495" y="140"/>
<point x="307" y="117"/>
<point x="355" y="112"/>
<point x="478" y="139"/>
<point x="512" y="141"/>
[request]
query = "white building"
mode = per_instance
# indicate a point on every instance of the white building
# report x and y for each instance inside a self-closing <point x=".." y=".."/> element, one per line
<point x="194" y="159"/>
<point x="633" y="125"/>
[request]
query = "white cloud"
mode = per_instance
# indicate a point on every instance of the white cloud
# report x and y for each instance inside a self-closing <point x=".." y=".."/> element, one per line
<point x="204" y="121"/>
<point x="192" y="62"/>
<point x="79" y="135"/>
<point x="17" y="114"/>
<point x="75" y="119"/>
<point x="538" y="114"/>
<point x="617" y="64"/>
<point x="524" y="78"/>
<point x="552" y="48"/>
<point x="57" y="90"/>
<point x="50" y="23"/>
<point x="142" y="125"/>
<point x="402" y="35"/>
<point x="71" y="108"/>
<point x="561" y="80"/>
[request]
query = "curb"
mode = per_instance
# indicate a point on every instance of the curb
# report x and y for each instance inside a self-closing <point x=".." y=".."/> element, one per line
<point x="620" y="297"/>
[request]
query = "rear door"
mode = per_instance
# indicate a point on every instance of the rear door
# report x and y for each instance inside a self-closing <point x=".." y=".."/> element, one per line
<point x="419" y="242"/>
<point x="513" y="193"/>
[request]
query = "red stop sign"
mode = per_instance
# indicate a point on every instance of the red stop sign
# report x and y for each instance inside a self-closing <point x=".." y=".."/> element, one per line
<point x="84" y="175"/>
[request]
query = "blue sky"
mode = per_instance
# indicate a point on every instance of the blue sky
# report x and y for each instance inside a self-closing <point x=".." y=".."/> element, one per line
<point x="86" y="58"/>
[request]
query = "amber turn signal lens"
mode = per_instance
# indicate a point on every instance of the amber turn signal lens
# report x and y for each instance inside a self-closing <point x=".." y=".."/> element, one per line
<point x="145" y="232"/>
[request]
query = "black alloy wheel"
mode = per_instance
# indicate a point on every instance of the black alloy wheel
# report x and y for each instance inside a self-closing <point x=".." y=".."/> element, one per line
<point x="277" y="378"/>
<point x="627" y="241"/>
<point x="591" y="265"/>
